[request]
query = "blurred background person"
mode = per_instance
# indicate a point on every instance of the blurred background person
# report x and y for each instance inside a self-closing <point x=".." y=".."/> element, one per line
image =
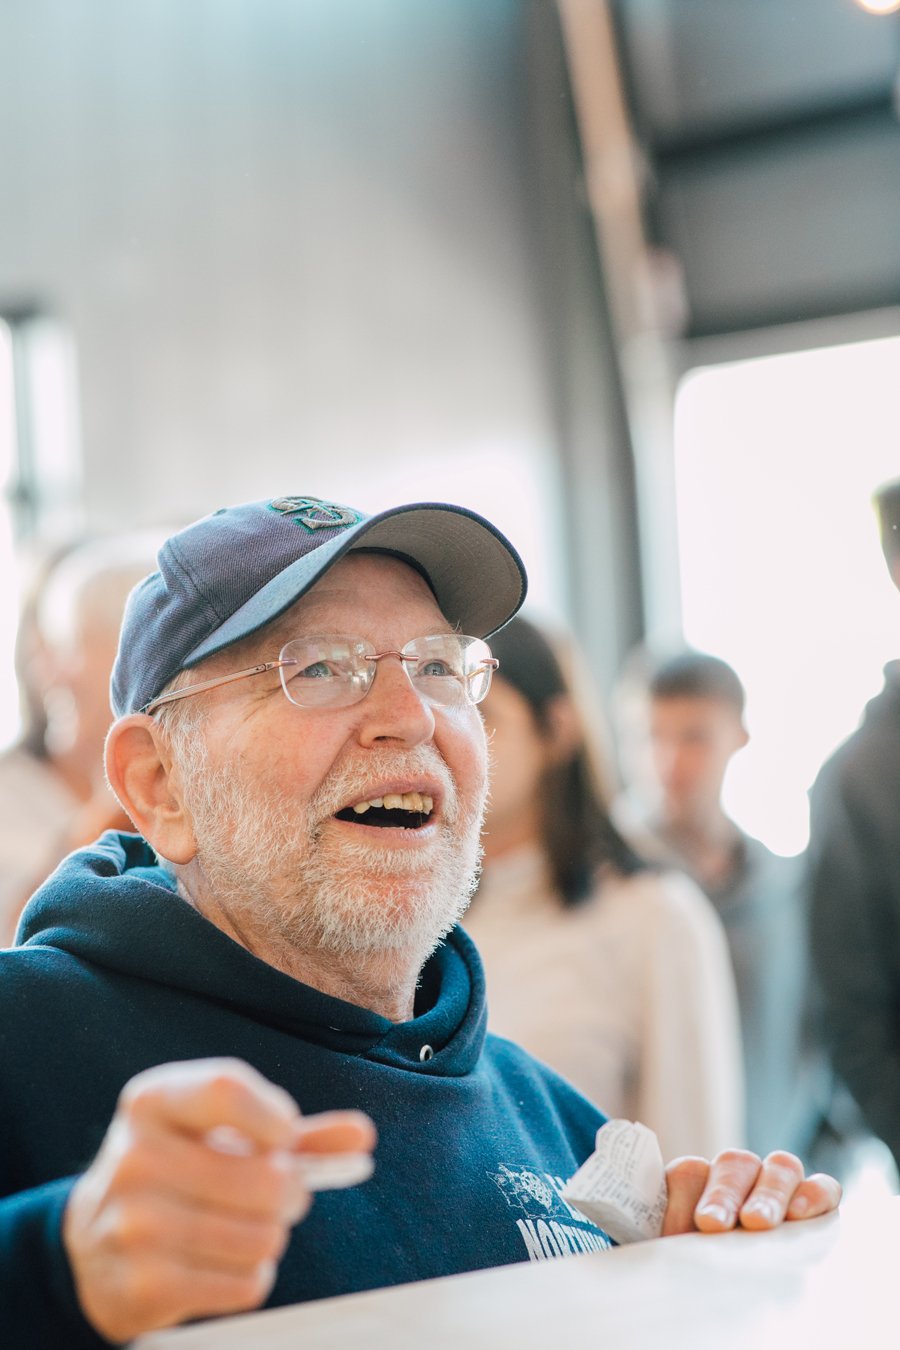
<point x="53" y="792"/>
<point x="613" y="972"/>
<point x="854" y="887"/>
<point x="694" y="721"/>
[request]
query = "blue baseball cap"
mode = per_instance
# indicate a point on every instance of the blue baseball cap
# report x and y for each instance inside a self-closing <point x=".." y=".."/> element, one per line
<point x="232" y="572"/>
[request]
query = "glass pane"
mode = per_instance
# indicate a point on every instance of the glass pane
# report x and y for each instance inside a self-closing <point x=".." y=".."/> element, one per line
<point x="9" y="596"/>
<point x="782" y="572"/>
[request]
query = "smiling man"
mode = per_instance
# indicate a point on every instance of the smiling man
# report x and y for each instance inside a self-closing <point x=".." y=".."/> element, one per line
<point x="346" y="845"/>
<point x="299" y="746"/>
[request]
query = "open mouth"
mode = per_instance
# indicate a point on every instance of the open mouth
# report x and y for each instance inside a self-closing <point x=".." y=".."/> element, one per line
<point x="403" y="811"/>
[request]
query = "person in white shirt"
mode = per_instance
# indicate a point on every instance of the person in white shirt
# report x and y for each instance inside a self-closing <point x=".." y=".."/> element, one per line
<point x="613" y="972"/>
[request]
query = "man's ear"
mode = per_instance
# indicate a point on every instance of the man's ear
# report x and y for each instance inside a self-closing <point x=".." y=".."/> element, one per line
<point x="148" y="785"/>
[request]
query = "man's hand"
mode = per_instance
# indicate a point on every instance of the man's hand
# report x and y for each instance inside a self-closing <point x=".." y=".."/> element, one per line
<point x="739" y="1189"/>
<point x="188" y="1206"/>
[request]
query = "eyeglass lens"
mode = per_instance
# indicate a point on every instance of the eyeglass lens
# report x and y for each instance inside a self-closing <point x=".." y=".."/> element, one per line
<point x="336" y="671"/>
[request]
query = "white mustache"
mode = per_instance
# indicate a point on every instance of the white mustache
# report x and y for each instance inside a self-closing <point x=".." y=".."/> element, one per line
<point x="345" y="783"/>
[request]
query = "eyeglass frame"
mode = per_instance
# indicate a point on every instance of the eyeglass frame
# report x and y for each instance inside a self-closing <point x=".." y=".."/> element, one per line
<point x="490" y="663"/>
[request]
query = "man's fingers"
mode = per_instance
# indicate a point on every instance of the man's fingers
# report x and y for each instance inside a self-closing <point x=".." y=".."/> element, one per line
<point x="199" y="1237"/>
<point x="162" y="1292"/>
<point x="187" y="1208"/>
<point x="223" y="1170"/>
<point x="335" y="1132"/>
<point x="197" y="1096"/>
<point x="737" y="1187"/>
<point x="731" y="1178"/>
<point x="334" y="1149"/>
<point x="818" y="1194"/>
<point x="686" y="1179"/>
<point x="778" y="1179"/>
<point x="261" y="1185"/>
<point x="214" y="1293"/>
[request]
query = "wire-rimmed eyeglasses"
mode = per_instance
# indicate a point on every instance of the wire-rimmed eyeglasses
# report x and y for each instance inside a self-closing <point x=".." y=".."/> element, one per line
<point x="334" y="671"/>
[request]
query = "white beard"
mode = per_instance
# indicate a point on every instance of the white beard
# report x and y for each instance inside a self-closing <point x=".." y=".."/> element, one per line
<point x="284" y="875"/>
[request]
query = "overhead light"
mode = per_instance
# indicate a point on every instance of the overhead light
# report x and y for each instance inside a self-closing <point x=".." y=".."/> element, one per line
<point x="879" y="6"/>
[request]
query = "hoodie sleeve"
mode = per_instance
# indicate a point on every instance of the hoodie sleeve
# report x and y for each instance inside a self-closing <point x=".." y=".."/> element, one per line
<point x="39" y="1308"/>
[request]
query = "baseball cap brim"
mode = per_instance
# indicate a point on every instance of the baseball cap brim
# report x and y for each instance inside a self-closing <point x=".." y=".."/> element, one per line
<point x="477" y="576"/>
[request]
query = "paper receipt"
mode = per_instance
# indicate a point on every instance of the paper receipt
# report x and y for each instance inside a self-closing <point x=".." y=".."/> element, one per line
<point x="622" y="1186"/>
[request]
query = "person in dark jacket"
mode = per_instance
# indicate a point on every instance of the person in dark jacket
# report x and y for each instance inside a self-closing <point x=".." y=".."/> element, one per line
<point x="298" y="744"/>
<point x="854" y="888"/>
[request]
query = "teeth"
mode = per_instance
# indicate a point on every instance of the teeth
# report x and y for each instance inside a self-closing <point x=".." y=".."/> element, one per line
<point x="395" y="801"/>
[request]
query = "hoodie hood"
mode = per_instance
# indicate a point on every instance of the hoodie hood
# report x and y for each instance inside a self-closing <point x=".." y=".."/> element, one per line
<point x="111" y="906"/>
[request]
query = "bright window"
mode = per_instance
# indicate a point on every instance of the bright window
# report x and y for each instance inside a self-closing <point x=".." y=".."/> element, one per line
<point x="782" y="573"/>
<point x="40" y="483"/>
<point x="9" y="717"/>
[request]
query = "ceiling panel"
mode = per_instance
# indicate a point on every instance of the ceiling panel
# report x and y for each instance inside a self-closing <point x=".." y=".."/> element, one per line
<point x="699" y="68"/>
<point x="771" y="140"/>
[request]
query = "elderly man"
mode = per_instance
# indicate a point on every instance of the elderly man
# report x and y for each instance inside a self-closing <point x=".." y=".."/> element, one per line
<point x="299" y="745"/>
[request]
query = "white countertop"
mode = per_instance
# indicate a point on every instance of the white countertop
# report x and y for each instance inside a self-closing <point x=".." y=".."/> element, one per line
<point x="826" y="1282"/>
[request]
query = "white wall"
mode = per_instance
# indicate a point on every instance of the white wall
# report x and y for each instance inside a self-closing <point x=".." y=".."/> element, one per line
<point x="291" y="240"/>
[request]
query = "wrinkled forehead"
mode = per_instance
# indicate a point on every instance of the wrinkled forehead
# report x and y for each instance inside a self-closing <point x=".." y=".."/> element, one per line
<point x="356" y="589"/>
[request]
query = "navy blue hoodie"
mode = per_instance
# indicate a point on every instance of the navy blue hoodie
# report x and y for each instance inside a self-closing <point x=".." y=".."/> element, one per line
<point x="115" y="973"/>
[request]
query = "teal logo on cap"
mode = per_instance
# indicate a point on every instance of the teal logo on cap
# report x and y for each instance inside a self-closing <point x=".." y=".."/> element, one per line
<point x="314" y="513"/>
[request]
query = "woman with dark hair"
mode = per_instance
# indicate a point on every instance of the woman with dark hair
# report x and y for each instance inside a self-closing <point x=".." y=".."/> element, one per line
<point x="613" y="972"/>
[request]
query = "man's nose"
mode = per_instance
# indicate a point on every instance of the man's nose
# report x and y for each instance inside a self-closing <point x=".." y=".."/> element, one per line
<point x="393" y="709"/>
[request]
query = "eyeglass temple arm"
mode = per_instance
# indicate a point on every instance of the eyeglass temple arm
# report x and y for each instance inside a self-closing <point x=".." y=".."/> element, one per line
<point x="176" y="694"/>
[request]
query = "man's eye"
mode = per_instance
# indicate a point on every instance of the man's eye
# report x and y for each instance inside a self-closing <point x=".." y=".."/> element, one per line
<point x="436" y="668"/>
<point x="318" y="670"/>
